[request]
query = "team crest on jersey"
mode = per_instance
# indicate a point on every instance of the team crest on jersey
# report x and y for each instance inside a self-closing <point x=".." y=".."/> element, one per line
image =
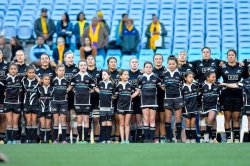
<point x="74" y="70"/>
<point x="154" y="81"/>
<point x="201" y="64"/>
<point x="77" y="107"/>
<point x="239" y="71"/>
<point x="2" y="73"/>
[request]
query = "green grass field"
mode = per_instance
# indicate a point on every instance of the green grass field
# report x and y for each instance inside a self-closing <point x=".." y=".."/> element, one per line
<point x="126" y="155"/>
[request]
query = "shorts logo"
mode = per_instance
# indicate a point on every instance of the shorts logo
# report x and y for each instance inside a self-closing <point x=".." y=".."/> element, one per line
<point x="233" y="77"/>
<point x="77" y="107"/>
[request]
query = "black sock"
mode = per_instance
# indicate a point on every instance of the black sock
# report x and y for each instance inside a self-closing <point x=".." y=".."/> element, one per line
<point x="64" y="130"/>
<point x="2" y="136"/>
<point x="55" y="133"/>
<point x="34" y="133"/>
<point x="132" y="134"/>
<point x="202" y="132"/>
<point x="96" y="138"/>
<point x="193" y="133"/>
<point x="213" y="134"/>
<point x="236" y="133"/>
<point x="168" y="130"/>
<point x="139" y="132"/>
<point x="9" y="134"/>
<point x="108" y="133"/>
<point x="228" y="133"/>
<point x="117" y="137"/>
<point x="68" y="138"/>
<point x="178" y="131"/>
<point x="15" y="133"/>
<point x="146" y="132"/>
<point x="79" y="129"/>
<point x="28" y="132"/>
<point x="102" y="136"/>
<point x="86" y="131"/>
<point x="74" y="138"/>
<point x="152" y="133"/>
<point x="42" y="133"/>
<point x="48" y="132"/>
<point x="209" y="130"/>
<point x="187" y="131"/>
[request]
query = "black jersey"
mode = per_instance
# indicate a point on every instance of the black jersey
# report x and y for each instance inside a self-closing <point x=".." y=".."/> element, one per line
<point x="45" y="97"/>
<point x="133" y="79"/>
<point x="191" y="97"/>
<point x="247" y="65"/>
<point x="22" y="69"/>
<point x="186" y="67"/>
<point x="3" y="74"/>
<point x="210" y="96"/>
<point x="107" y="90"/>
<point x="124" y="92"/>
<point x="172" y="80"/>
<point x="70" y="71"/>
<point x="160" y="91"/>
<point x="50" y="71"/>
<point x="202" y="66"/>
<point x="13" y="89"/>
<point x="245" y="85"/>
<point x="60" y="86"/>
<point x="232" y="74"/>
<point x="115" y="75"/>
<point x="82" y="83"/>
<point x="30" y="90"/>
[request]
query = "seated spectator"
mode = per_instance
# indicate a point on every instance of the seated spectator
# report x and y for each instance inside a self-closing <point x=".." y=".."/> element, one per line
<point x="155" y="33"/>
<point x="103" y="22"/>
<point x="129" y="38"/>
<point x="37" y="50"/>
<point x="59" y="51"/>
<point x="98" y="36"/>
<point x="120" y="27"/>
<point x="87" y="49"/>
<point x="15" y="46"/>
<point x="79" y="28"/>
<point x="5" y="49"/>
<point x="64" y="28"/>
<point x="45" y="27"/>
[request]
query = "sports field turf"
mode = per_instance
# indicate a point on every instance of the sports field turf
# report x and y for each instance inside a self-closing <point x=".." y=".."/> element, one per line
<point x="128" y="155"/>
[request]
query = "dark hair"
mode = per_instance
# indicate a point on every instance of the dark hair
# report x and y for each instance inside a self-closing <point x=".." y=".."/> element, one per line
<point x="154" y="15"/>
<point x="81" y="60"/>
<point x="156" y="55"/>
<point x="112" y="57"/>
<point x="188" y="73"/>
<point x="90" y="56"/>
<point x="67" y="53"/>
<point x="206" y="48"/>
<point x="208" y="74"/>
<point x="78" y="16"/>
<point x="44" y="54"/>
<point x="30" y="67"/>
<point x="39" y="37"/>
<point x="58" y="66"/>
<point x="173" y="58"/>
<point x="67" y="18"/>
<point x="124" y="14"/>
<point x="108" y="72"/>
<point x="16" y="41"/>
<point x="12" y="64"/>
<point x="89" y="40"/>
<point x="122" y="71"/>
<point x="234" y="51"/>
<point x="147" y="62"/>
<point x="46" y="75"/>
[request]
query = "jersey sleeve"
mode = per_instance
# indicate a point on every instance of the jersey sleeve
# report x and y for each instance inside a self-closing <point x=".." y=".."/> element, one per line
<point x="92" y="83"/>
<point x="139" y="82"/>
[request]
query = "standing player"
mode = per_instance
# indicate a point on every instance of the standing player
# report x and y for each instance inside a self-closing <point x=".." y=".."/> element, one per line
<point x="160" y="114"/>
<point x="12" y="102"/>
<point x="3" y="73"/>
<point x="45" y="94"/>
<point x="70" y="70"/>
<point x="83" y="84"/>
<point x="246" y="63"/>
<point x="59" y="103"/>
<point x="136" y="119"/>
<point x="45" y="68"/>
<point x="97" y="75"/>
<point x="190" y="91"/>
<point x="173" y="100"/>
<point x="125" y="93"/>
<point x="30" y="84"/>
<point x="147" y="85"/>
<point x="183" y="64"/>
<point x="232" y="72"/>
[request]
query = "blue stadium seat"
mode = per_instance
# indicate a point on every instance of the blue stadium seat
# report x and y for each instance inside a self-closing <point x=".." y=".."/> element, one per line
<point x="146" y="52"/>
<point x="25" y="30"/>
<point x="10" y="29"/>
<point x="114" y="52"/>
<point x="143" y="59"/>
<point x="77" y="53"/>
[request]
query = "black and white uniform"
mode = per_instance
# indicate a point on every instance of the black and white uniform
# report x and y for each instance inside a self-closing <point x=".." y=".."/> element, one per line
<point x="124" y="90"/>
<point x="97" y="75"/>
<point x="70" y="71"/>
<point x="22" y="69"/>
<point x="191" y="97"/>
<point x="115" y="76"/>
<point x="246" y="65"/>
<point x="133" y="79"/>
<point x="82" y="84"/>
<point x="210" y="97"/>
<point x="148" y="85"/>
<point x="231" y="98"/>
<point x="172" y="81"/>
<point x="45" y="97"/>
<point x="59" y="103"/>
<point x="107" y="90"/>
<point x="187" y="67"/>
<point x="3" y="73"/>
<point x="245" y="85"/>
<point x="13" y="92"/>
<point x="30" y="95"/>
<point x="50" y="71"/>
<point x="160" y="91"/>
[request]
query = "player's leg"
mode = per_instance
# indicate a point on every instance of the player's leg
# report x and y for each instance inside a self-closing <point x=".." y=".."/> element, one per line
<point x="139" y="127"/>
<point x="63" y="121"/>
<point x="55" y="127"/>
<point x="146" y="123"/>
<point x="79" y="126"/>
<point x="109" y="126"/>
<point x="2" y="122"/>
<point x="127" y="126"/>
<point x="117" y="128"/>
<point x="96" y="120"/>
<point x="178" y="114"/>
<point x="34" y="127"/>
<point x="228" y="117"/>
<point x="168" y="120"/>
<point x="193" y="128"/>
<point x="210" y="122"/>
<point x="133" y="127"/>
<point x="48" y="127"/>
<point x="188" y="127"/>
<point x="152" y="114"/>
<point x="103" y="124"/>
<point x="86" y="126"/>
<point x="28" y="118"/>
<point x="162" y="127"/>
<point x="16" y="116"/>
<point x="42" y="128"/>
<point x="9" y="126"/>
<point x="236" y="126"/>
<point x="157" y="127"/>
<point x="122" y="126"/>
<point x="73" y="125"/>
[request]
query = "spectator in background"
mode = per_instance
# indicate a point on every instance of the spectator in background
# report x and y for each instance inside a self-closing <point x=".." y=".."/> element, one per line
<point x="45" y="27"/>
<point x="64" y="28"/>
<point x="103" y="22"/>
<point x="37" y="50"/>
<point x="5" y="49"/>
<point x="87" y="49"/>
<point x="155" y="33"/>
<point x="59" y="51"/>
<point x="98" y="36"/>
<point x="15" y="46"/>
<point x="120" y="27"/>
<point x="79" y="28"/>
<point x="129" y="38"/>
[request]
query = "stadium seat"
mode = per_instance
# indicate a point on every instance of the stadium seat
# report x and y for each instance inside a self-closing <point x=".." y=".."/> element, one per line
<point x="25" y="30"/>
<point x="99" y="61"/>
